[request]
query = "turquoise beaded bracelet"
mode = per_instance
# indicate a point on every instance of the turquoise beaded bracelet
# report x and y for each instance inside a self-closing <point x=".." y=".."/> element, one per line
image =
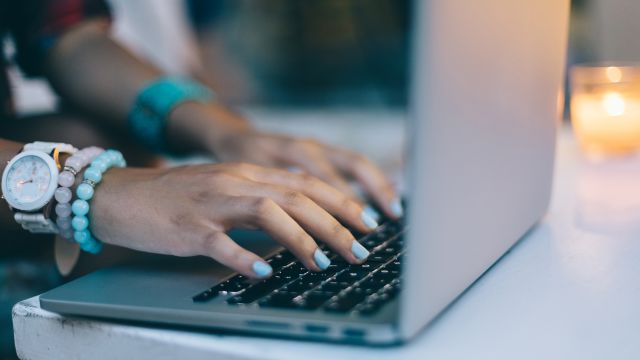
<point x="147" y="118"/>
<point x="80" y="207"/>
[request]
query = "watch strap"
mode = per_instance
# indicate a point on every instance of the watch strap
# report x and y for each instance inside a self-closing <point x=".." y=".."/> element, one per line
<point x="36" y="223"/>
<point x="48" y="147"/>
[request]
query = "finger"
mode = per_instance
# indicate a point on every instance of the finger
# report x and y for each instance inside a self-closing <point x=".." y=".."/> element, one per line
<point x="316" y="221"/>
<point x="223" y="249"/>
<point x="370" y="177"/>
<point x="347" y="209"/>
<point x="263" y="213"/>
<point x="315" y="163"/>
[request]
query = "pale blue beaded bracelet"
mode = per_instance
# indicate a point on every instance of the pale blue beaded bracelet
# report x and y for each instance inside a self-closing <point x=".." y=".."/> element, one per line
<point x="80" y="207"/>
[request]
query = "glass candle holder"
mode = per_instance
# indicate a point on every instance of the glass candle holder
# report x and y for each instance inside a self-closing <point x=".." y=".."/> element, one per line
<point x="605" y="107"/>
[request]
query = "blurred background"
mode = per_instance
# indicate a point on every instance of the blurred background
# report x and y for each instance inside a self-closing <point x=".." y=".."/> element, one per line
<point x="345" y="53"/>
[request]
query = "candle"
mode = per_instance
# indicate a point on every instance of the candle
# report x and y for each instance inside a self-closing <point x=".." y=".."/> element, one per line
<point x="605" y="107"/>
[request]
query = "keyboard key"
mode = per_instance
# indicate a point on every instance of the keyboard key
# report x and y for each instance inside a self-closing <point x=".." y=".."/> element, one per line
<point x="279" y="260"/>
<point x="314" y="299"/>
<point x="259" y="290"/>
<point x="205" y="296"/>
<point x="280" y="299"/>
<point x="333" y="287"/>
<point x="346" y="302"/>
<point x="351" y="275"/>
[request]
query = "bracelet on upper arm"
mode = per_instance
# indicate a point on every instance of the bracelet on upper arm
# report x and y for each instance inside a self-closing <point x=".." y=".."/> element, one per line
<point x="81" y="207"/>
<point x="147" y="118"/>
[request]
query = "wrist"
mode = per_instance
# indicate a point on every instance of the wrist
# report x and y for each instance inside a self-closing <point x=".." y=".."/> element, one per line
<point x="110" y="213"/>
<point x="205" y="127"/>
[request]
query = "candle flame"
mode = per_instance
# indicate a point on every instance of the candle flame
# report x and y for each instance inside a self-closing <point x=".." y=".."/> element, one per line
<point x="613" y="104"/>
<point x="614" y="74"/>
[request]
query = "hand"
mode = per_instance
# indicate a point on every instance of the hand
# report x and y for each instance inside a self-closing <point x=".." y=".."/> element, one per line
<point x="231" y="138"/>
<point x="186" y="211"/>
<point x="330" y="164"/>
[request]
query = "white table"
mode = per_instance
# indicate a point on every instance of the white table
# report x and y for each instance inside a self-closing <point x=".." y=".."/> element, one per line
<point x="569" y="290"/>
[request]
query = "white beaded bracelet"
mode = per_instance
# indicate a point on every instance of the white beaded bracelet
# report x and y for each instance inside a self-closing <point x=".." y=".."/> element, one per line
<point x="63" y="194"/>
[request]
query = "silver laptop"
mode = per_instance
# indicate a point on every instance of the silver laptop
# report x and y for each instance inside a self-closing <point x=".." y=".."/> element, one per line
<point x="487" y="78"/>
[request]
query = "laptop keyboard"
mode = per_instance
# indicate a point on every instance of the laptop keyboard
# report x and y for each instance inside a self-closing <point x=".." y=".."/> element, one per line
<point x="341" y="288"/>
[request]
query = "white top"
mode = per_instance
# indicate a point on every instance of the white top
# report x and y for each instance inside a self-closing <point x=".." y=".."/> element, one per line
<point x="569" y="290"/>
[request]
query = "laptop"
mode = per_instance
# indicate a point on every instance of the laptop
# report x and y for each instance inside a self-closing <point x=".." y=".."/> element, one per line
<point x="486" y="84"/>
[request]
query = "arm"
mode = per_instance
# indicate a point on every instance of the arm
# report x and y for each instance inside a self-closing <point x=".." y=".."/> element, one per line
<point x="8" y="149"/>
<point x="95" y="73"/>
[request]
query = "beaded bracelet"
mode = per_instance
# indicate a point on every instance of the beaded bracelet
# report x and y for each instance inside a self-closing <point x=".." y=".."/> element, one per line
<point x="63" y="194"/>
<point x="80" y="208"/>
<point x="147" y="117"/>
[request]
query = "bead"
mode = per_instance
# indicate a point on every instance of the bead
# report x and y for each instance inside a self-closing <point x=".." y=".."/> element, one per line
<point x="80" y="223"/>
<point x="63" y="210"/>
<point x="100" y="164"/>
<point x="82" y="237"/>
<point x="82" y="157"/>
<point x="93" y="246"/>
<point x="94" y="174"/>
<point x="94" y="151"/>
<point x="80" y="207"/>
<point x="84" y="191"/>
<point x="74" y="162"/>
<point x="63" y="195"/>
<point x="64" y="223"/>
<point x="66" y="233"/>
<point x="66" y="179"/>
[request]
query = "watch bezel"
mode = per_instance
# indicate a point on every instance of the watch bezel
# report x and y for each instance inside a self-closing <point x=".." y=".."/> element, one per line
<point x="48" y="195"/>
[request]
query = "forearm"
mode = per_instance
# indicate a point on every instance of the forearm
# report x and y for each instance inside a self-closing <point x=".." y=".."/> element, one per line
<point x="92" y="71"/>
<point x="8" y="149"/>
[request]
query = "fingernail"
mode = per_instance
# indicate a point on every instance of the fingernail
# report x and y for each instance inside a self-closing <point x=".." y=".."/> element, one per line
<point x="359" y="251"/>
<point x="396" y="207"/>
<point x="368" y="218"/>
<point x="262" y="269"/>
<point x="321" y="259"/>
<point x="372" y="212"/>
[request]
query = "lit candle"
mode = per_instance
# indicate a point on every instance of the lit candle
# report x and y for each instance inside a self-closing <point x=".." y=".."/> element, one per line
<point x="605" y="107"/>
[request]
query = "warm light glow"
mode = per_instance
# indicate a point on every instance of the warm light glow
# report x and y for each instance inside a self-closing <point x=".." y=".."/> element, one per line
<point x="605" y="108"/>
<point x="614" y="74"/>
<point x="613" y="104"/>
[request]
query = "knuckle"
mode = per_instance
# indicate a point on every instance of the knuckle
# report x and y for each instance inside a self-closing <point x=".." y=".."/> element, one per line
<point x="293" y="198"/>
<point x="209" y="241"/>
<point x="338" y="231"/>
<point x="349" y="205"/>
<point x="262" y="207"/>
<point x="307" y="180"/>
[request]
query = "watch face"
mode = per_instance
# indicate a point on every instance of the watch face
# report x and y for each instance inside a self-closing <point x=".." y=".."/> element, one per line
<point x="30" y="181"/>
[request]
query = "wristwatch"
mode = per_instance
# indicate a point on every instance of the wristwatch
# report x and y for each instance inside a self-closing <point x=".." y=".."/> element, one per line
<point x="29" y="182"/>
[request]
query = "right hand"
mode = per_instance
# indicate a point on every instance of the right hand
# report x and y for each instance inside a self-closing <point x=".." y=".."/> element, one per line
<point x="187" y="211"/>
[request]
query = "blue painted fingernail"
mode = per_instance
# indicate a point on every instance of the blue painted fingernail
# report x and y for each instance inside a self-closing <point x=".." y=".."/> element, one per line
<point x="372" y="212"/>
<point x="262" y="269"/>
<point x="396" y="207"/>
<point x="368" y="218"/>
<point x="359" y="251"/>
<point x="321" y="259"/>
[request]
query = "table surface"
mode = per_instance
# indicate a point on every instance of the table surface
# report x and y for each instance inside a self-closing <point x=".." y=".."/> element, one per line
<point x="569" y="290"/>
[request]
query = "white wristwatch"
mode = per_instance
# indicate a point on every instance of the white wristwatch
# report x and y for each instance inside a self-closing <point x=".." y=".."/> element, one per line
<point x="29" y="182"/>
